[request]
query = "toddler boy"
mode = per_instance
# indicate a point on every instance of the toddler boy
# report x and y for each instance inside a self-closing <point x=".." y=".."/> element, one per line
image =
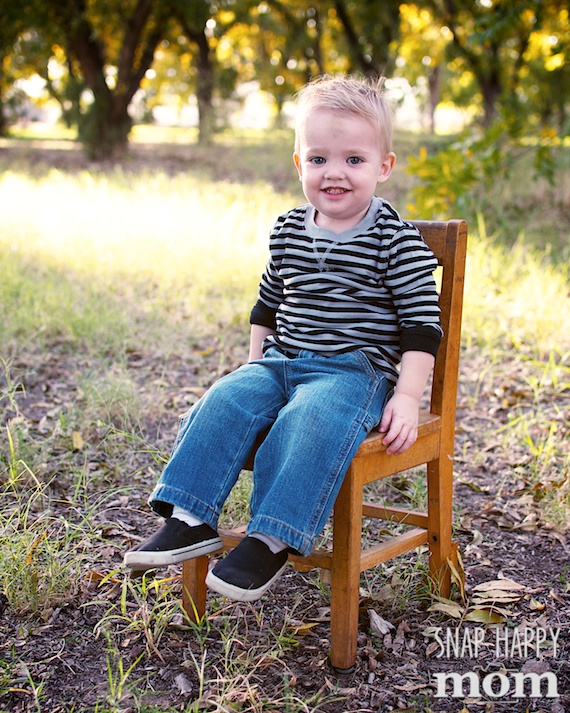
<point x="343" y="338"/>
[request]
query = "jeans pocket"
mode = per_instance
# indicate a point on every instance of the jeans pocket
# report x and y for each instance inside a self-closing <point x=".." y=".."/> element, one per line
<point x="384" y="391"/>
<point x="368" y="365"/>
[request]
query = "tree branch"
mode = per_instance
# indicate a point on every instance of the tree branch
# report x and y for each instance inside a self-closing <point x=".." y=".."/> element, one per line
<point x="134" y="29"/>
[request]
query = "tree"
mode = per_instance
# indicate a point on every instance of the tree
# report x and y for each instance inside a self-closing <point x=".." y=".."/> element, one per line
<point x="287" y="43"/>
<point x="545" y="85"/>
<point x="194" y="19"/>
<point x="370" y="27"/>
<point x="286" y="39"/>
<point x="491" y="37"/>
<point x="199" y="31"/>
<point x="113" y="45"/>
<point x="15" y="19"/>
<point x="421" y="56"/>
<point x="523" y="71"/>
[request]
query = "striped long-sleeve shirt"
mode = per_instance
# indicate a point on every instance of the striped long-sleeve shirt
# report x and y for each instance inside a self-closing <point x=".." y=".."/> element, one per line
<point x="369" y="288"/>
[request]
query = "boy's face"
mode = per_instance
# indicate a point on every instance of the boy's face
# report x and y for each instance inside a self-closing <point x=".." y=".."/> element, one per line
<point x="340" y="162"/>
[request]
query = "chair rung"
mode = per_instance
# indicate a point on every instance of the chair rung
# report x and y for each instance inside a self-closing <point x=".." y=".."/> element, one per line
<point x="317" y="558"/>
<point x="383" y="512"/>
<point x="369" y="558"/>
<point x="231" y="538"/>
<point x="392" y="548"/>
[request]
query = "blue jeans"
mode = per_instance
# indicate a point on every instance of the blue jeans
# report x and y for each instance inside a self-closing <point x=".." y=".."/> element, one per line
<point x="317" y="411"/>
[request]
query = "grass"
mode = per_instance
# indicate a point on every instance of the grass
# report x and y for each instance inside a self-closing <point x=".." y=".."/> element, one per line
<point x="71" y="270"/>
<point x="137" y="282"/>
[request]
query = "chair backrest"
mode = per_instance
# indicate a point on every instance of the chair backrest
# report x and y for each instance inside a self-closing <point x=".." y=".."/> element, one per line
<point x="448" y="242"/>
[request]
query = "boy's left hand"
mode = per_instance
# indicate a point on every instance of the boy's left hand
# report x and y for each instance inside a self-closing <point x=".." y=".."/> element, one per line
<point x="400" y="423"/>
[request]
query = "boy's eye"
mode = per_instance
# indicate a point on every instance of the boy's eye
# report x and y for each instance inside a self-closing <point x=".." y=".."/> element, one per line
<point x="354" y="160"/>
<point x="318" y="160"/>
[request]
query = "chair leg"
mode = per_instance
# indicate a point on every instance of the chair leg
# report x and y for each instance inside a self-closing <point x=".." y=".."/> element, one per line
<point x="194" y="573"/>
<point x="345" y="574"/>
<point x="440" y="485"/>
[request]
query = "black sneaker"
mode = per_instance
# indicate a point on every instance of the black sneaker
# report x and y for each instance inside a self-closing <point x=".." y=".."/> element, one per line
<point x="174" y="542"/>
<point x="247" y="571"/>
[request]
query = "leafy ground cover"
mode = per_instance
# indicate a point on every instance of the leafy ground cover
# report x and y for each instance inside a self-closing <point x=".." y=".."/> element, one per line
<point x="105" y="339"/>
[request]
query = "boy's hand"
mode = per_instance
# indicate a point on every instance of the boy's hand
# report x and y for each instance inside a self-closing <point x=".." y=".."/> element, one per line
<point x="400" y="423"/>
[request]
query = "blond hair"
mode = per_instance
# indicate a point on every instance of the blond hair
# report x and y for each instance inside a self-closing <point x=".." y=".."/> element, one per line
<point x="350" y="95"/>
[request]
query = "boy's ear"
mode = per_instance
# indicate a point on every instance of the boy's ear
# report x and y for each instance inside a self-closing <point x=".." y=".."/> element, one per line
<point x="386" y="167"/>
<point x="297" y="160"/>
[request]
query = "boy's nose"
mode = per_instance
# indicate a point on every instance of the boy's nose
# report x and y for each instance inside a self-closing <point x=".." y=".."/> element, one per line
<point x="335" y="169"/>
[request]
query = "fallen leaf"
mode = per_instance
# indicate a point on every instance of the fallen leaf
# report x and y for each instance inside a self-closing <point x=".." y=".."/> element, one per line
<point x="302" y="629"/>
<point x="386" y="593"/>
<point x="334" y="687"/>
<point x="408" y="687"/>
<point x="184" y="684"/>
<point x="430" y="632"/>
<point x="34" y="547"/>
<point x="504" y="584"/>
<point x="484" y="616"/>
<point x="444" y="600"/>
<point x="454" y="610"/>
<point x="554" y="595"/>
<point x="457" y="573"/>
<point x="497" y="595"/>
<point x="535" y="605"/>
<point x="94" y="576"/>
<point x="377" y="624"/>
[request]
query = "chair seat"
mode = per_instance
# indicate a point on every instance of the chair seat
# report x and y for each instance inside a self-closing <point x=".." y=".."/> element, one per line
<point x="428" y="423"/>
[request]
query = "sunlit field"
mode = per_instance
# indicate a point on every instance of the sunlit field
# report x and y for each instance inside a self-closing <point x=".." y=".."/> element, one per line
<point x="115" y="259"/>
<point x="125" y="259"/>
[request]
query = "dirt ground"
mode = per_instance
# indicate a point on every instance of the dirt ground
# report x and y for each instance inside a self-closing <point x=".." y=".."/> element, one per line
<point x="502" y="537"/>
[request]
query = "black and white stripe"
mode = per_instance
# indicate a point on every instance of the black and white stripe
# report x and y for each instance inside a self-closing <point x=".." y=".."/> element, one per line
<point x="370" y="288"/>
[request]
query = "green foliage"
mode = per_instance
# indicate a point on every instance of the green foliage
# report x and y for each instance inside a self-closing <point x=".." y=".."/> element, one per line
<point x="448" y="177"/>
<point x="462" y="178"/>
<point x="500" y="55"/>
<point x="155" y="605"/>
<point x="493" y="43"/>
<point x="516" y="298"/>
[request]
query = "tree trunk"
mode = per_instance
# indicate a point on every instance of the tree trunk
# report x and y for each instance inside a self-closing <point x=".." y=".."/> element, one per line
<point x="3" y="122"/>
<point x="104" y="129"/>
<point x="105" y="126"/>
<point x="205" y="90"/>
<point x="364" y="63"/>
<point x="381" y="22"/>
<point x="491" y="88"/>
<point x="434" y="82"/>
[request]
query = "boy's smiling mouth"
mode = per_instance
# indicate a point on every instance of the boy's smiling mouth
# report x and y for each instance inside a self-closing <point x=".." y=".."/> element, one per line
<point x="335" y="191"/>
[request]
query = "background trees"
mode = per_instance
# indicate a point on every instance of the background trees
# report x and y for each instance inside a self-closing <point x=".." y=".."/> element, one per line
<point x="498" y="58"/>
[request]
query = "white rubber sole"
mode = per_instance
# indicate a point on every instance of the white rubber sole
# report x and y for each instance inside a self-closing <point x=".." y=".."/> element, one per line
<point x="141" y="559"/>
<point x="236" y="593"/>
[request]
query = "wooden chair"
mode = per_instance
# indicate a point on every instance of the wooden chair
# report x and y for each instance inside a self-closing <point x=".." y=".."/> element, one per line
<point x="433" y="447"/>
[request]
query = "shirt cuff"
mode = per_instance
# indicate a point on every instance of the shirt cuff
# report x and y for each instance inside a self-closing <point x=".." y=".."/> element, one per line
<point x="263" y="315"/>
<point x="420" y="339"/>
